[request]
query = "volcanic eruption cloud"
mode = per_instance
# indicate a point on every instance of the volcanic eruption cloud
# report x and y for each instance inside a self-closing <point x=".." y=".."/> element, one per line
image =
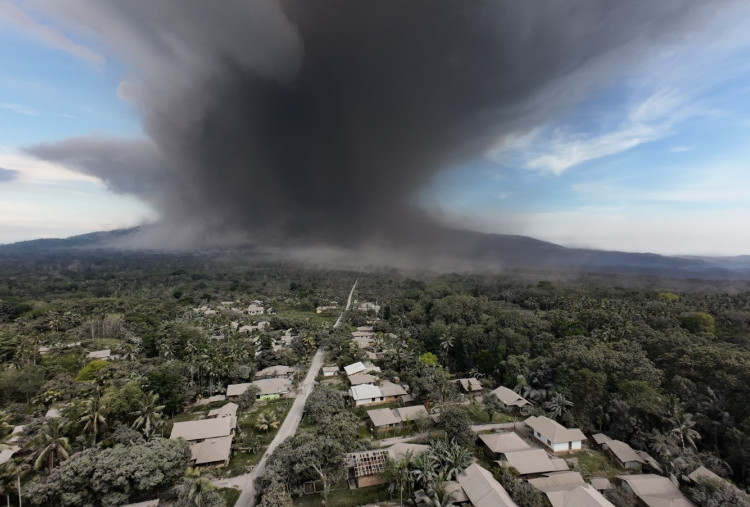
<point x="316" y="122"/>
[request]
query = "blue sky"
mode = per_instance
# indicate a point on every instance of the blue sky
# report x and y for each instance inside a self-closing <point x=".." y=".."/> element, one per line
<point x="656" y="160"/>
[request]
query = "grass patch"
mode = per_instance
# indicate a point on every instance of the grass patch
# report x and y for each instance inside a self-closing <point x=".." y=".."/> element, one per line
<point x="230" y="495"/>
<point x="347" y="497"/>
<point x="596" y="463"/>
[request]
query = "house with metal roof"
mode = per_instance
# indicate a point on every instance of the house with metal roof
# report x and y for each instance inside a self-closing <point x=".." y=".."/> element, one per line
<point x="533" y="462"/>
<point x="654" y="491"/>
<point x="497" y="444"/>
<point x="384" y="419"/>
<point x="568" y="489"/>
<point x="510" y="397"/>
<point x="554" y="435"/>
<point x="275" y="371"/>
<point x="482" y="488"/>
<point x="469" y="385"/>
<point x="366" y="394"/>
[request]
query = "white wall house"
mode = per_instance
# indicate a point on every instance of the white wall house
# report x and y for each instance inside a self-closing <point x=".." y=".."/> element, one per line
<point x="366" y="394"/>
<point x="554" y="435"/>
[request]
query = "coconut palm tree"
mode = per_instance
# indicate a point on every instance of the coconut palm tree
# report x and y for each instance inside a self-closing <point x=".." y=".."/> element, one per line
<point x="399" y="477"/>
<point x="198" y="491"/>
<point x="149" y="415"/>
<point x="557" y="405"/>
<point x="93" y="418"/>
<point x="682" y="427"/>
<point x="446" y="344"/>
<point x="267" y="421"/>
<point x="56" y="447"/>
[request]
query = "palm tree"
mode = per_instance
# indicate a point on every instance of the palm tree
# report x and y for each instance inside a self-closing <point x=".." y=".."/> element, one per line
<point x="128" y="351"/>
<point x="198" y="491"/>
<point x="437" y="496"/>
<point x="682" y="427"/>
<point x="423" y="472"/>
<point x="93" y="417"/>
<point x="267" y="421"/>
<point x="149" y="416"/>
<point x="399" y="477"/>
<point x="446" y="344"/>
<point x="557" y="405"/>
<point x="56" y="446"/>
<point x="12" y="472"/>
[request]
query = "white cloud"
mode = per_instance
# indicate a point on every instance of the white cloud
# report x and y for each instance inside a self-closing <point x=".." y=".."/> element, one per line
<point x="33" y="170"/>
<point x="47" y="34"/>
<point x="19" y="108"/>
<point x="681" y="149"/>
<point x="647" y="121"/>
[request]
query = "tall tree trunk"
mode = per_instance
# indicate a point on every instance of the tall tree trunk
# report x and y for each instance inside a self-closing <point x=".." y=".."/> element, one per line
<point x="18" y="485"/>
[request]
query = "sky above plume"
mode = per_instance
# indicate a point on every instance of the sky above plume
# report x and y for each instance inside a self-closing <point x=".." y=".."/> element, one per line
<point x="587" y="123"/>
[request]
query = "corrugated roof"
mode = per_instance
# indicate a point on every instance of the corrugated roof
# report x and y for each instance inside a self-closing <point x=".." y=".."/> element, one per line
<point x="510" y="397"/>
<point x="237" y="389"/>
<point x="656" y="491"/>
<point x="601" y="438"/>
<point x="203" y="429"/>
<point x="412" y="413"/>
<point x="365" y="392"/>
<point x="532" y="461"/>
<point x="363" y="378"/>
<point x="391" y="389"/>
<point x="554" y="431"/>
<point x="624" y="452"/>
<point x="273" y="385"/>
<point x="703" y="473"/>
<point x="212" y="450"/>
<point x="470" y="384"/>
<point x="275" y="371"/>
<point x="383" y="417"/>
<point x="354" y="368"/>
<point x="557" y="481"/>
<point x="482" y="489"/>
<point x="504" y="442"/>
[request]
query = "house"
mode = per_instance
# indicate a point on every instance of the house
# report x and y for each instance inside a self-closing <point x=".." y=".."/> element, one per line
<point x="369" y="306"/>
<point x="228" y="410"/>
<point x="568" y="489"/>
<point x="533" y="462"/>
<point x="384" y="419"/>
<point x="255" y="308"/>
<point x="275" y="372"/>
<point x="7" y="454"/>
<point x="654" y="491"/>
<point x="365" y="468"/>
<point x="210" y="399"/>
<point x="510" y="398"/>
<point x="363" y="342"/>
<point x="626" y="457"/>
<point x="330" y="371"/>
<point x="212" y="452"/>
<point x="325" y="308"/>
<point x="269" y="388"/>
<point x="364" y="378"/>
<point x="469" y="385"/>
<point x="392" y="392"/>
<point x="105" y="354"/>
<point x="600" y="439"/>
<point x="497" y="444"/>
<point x="601" y="483"/>
<point x="482" y="489"/>
<point x="354" y="368"/>
<point x="703" y="474"/>
<point x="203" y="429"/>
<point x="366" y="394"/>
<point x="210" y="439"/>
<point x="555" y="436"/>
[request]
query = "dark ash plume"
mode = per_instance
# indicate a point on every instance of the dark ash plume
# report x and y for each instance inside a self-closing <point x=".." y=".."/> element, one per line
<point x="315" y="122"/>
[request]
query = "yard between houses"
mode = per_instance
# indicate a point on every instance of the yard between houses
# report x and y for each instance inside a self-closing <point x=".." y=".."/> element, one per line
<point x="345" y="497"/>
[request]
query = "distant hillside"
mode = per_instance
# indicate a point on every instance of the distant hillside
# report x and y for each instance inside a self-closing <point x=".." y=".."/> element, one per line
<point x="478" y="250"/>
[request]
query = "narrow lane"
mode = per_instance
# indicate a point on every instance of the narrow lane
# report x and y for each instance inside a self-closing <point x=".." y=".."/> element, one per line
<point x="246" y="482"/>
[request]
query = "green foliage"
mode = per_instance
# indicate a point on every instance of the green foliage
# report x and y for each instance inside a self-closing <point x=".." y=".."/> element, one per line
<point x="276" y="496"/>
<point x="668" y="297"/>
<point x="111" y="477"/>
<point x="170" y="384"/>
<point x="454" y="420"/>
<point x="698" y="322"/>
<point x="120" y="403"/>
<point x="87" y="372"/>
<point x="429" y="359"/>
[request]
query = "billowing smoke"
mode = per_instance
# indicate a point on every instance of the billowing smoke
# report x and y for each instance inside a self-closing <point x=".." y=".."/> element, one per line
<point x="316" y="122"/>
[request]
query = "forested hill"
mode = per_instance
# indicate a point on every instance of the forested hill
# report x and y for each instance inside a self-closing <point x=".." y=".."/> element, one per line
<point x="463" y="250"/>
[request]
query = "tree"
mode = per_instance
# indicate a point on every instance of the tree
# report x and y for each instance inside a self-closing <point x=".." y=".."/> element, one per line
<point x="399" y="477"/>
<point x="492" y="404"/>
<point x="322" y="403"/>
<point x="248" y="398"/>
<point x="93" y="418"/>
<point x="682" y="427"/>
<point x="446" y="344"/>
<point x="453" y="419"/>
<point x="149" y="415"/>
<point x="110" y="477"/>
<point x="557" y="405"/>
<point x="276" y="495"/>
<point x="56" y="447"/>
<point x="87" y="372"/>
<point x="198" y="491"/>
<point x="267" y="421"/>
